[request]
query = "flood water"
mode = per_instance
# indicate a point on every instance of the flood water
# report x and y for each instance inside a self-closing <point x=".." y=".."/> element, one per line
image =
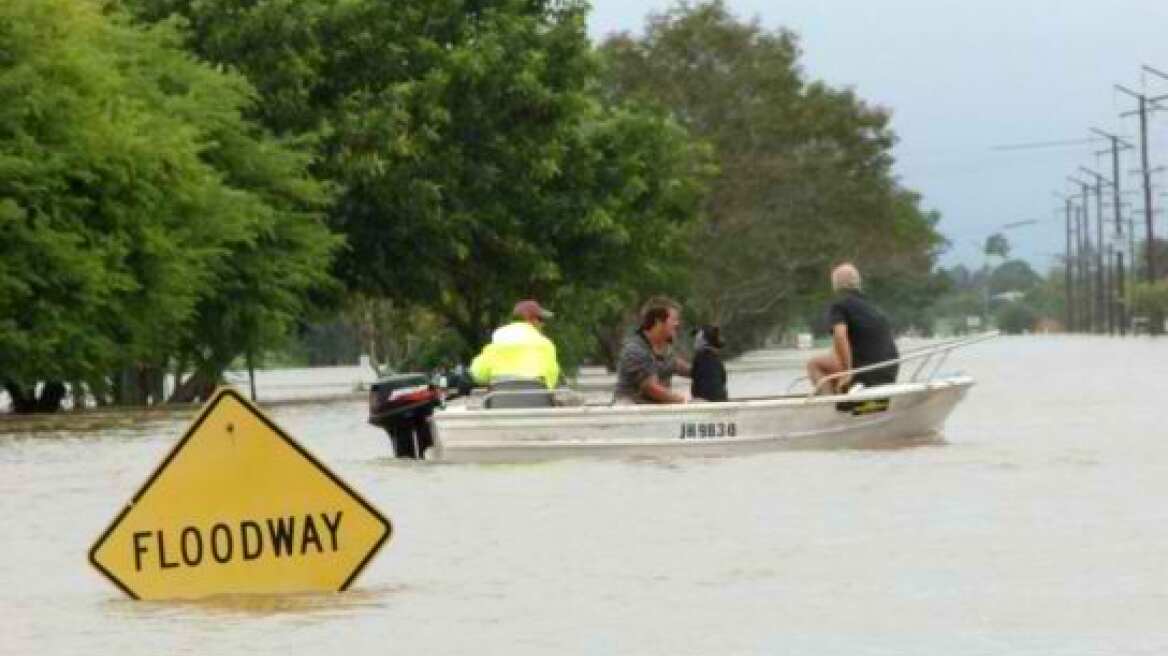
<point x="1038" y="526"/>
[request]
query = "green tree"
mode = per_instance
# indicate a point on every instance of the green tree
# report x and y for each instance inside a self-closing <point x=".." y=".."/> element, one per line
<point x="1149" y="299"/>
<point x="996" y="244"/>
<point x="133" y="198"/>
<point x="910" y="301"/>
<point x="804" y="169"/>
<point x="1159" y="253"/>
<point x="1015" y="318"/>
<point x="1144" y="297"/>
<point x="476" y="163"/>
<point x="1013" y="276"/>
<point x="1048" y="297"/>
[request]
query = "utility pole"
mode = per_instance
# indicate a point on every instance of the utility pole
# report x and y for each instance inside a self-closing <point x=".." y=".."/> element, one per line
<point x="1146" y="170"/>
<point x="1103" y="320"/>
<point x="1081" y="310"/>
<point x="1090" y="312"/>
<point x="1067" y="276"/>
<point x="1120" y="307"/>
<point x="1083" y="273"/>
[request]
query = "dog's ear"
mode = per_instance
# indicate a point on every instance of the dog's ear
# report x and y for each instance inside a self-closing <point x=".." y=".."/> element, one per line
<point x="714" y="335"/>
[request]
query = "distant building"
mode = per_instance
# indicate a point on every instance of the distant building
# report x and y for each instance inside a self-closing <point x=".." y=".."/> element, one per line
<point x="1010" y="296"/>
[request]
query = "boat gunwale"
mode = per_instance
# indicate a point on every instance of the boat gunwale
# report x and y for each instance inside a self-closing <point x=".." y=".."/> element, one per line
<point x="459" y="415"/>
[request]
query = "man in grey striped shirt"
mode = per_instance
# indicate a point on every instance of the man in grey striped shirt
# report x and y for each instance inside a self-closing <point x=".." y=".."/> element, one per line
<point x="647" y="361"/>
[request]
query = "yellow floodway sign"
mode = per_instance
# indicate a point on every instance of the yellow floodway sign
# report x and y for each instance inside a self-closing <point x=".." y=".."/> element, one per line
<point x="237" y="507"/>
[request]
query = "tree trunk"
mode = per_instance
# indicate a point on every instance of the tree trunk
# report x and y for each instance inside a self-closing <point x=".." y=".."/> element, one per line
<point x="201" y="385"/>
<point x="180" y="368"/>
<point x="51" y="396"/>
<point x="77" y="390"/>
<point x="370" y="334"/>
<point x="198" y="387"/>
<point x="22" y="402"/>
<point x="151" y="380"/>
<point x="27" y="401"/>
<point x="99" y="389"/>
<point x="127" y="387"/>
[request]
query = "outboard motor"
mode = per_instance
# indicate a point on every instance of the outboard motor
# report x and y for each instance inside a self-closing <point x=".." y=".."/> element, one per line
<point x="403" y="404"/>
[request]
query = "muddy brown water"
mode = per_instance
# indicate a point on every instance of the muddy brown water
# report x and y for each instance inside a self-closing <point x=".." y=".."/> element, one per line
<point x="1037" y="526"/>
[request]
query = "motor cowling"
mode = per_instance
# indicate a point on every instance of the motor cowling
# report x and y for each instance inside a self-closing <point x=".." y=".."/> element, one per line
<point x="403" y="405"/>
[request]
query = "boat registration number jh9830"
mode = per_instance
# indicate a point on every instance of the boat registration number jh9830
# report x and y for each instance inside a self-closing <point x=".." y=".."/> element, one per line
<point x="693" y="430"/>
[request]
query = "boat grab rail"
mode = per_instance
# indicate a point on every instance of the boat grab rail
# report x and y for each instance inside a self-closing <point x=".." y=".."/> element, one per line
<point x="924" y="355"/>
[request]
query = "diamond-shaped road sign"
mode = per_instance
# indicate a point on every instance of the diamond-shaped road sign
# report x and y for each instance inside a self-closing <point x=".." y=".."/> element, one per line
<point x="238" y="507"/>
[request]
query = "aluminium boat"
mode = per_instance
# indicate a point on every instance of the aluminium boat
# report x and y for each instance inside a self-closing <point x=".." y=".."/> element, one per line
<point x="525" y="422"/>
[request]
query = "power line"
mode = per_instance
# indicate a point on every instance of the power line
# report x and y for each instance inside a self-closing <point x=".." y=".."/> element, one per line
<point x="1044" y="144"/>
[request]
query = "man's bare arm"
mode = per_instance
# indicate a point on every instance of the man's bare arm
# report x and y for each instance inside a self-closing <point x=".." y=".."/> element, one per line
<point x="682" y="367"/>
<point x="843" y="351"/>
<point x="652" y="388"/>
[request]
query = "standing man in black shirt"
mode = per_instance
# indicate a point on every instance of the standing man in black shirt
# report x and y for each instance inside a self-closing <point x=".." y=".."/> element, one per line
<point x="860" y="333"/>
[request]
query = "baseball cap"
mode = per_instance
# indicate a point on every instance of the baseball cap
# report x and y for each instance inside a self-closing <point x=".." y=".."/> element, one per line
<point x="529" y="309"/>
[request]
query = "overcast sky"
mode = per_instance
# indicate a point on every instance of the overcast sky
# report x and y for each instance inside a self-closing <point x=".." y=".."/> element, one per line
<point x="962" y="78"/>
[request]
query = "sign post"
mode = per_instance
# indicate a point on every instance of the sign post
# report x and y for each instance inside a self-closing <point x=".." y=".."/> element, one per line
<point x="238" y="507"/>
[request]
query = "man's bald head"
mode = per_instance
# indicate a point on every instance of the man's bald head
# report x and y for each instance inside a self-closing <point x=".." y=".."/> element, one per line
<point x="845" y="276"/>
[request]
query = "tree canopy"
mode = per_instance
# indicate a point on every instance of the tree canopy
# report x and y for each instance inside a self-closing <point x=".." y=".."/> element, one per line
<point x="805" y="175"/>
<point x="136" y="203"/>
<point x="997" y="244"/>
<point x="476" y="161"/>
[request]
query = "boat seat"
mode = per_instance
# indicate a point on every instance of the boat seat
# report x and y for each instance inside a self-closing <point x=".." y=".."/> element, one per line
<point x="518" y="393"/>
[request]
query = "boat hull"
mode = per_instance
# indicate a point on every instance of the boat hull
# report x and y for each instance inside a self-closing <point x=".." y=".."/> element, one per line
<point x="882" y="416"/>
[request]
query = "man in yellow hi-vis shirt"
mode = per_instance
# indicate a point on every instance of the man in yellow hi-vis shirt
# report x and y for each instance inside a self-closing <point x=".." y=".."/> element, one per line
<point x="519" y="349"/>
